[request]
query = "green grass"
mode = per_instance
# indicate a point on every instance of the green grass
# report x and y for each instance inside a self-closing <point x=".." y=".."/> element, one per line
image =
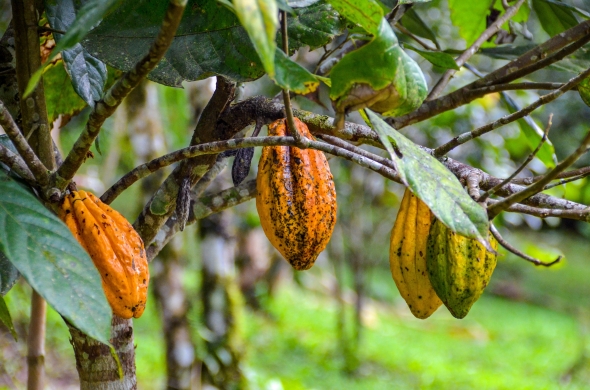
<point x="501" y="345"/>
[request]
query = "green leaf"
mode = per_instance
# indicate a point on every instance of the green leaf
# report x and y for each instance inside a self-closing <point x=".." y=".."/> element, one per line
<point x="365" y="13"/>
<point x="8" y="274"/>
<point x="89" y="15"/>
<point x="434" y="184"/>
<point x="533" y="134"/>
<point x="584" y="90"/>
<point x="437" y="58"/>
<point x="5" y="318"/>
<point x="414" y="23"/>
<point x="292" y="76"/>
<point x="87" y="73"/>
<point x="60" y="96"/>
<point x="554" y="16"/>
<point x="48" y="256"/>
<point x="379" y="75"/>
<point x="259" y="18"/>
<point x="210" y="39"/>
<point x="469" y="17"/>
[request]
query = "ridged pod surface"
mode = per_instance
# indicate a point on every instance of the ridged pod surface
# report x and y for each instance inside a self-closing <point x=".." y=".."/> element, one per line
<point x="115" y="248"/>
<point x="407" y="256"/>
<point x="296" y="198"/>
<point x="459" y="268"/>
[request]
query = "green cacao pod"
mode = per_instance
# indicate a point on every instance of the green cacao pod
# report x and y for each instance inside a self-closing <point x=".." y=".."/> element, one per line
<point x="296" y="198"/>
<point x="459" y="268"/>
<point x="407" y="256"/>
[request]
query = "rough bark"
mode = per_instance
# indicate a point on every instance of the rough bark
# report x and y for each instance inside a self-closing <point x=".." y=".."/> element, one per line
<point x="96" y="366"/>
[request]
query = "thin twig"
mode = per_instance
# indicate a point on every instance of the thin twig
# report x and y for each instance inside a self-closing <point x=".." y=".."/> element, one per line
<point x="564" y="175"/>
<point x="115" y="95"/>
<point x="540" y="212"/>
<point x="467" y="54"/>
<point x="146" y="169"/>
<point x="538" y="186"/>
<point x="516" y="86"/>
<point x="468" y="136"/>
<point x="300" y="140"/>
<point x="518" y="253"/>
<point x="565" y="181"/>
<point x="37" y="168"/>
<point x="526" y="162"/>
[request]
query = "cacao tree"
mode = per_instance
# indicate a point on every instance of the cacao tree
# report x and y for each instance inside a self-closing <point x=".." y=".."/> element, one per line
<point x="355" y="73"/>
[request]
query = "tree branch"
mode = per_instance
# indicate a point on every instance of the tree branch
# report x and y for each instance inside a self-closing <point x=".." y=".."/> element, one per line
<point x="202" y="208"/>
<point x="576" y="36"/>
<point x="105" y="107"/>
<point x="146" y="169"/>
<point x="35" y="165"/>
<point x="468" y="136"/>
<point x="538" y="186"/>
<point x="16" y="164"/>
<point x="467" y="54"/>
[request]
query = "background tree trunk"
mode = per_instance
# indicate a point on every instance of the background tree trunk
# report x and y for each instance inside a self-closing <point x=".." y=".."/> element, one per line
<point x="221" y="304"/>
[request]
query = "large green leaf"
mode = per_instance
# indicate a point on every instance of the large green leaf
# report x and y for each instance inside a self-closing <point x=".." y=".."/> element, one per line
<point x="434" y="184"/>
<point x="8" y="274"/>
<point x="469" y="17"/>
<point x="365" y="13"/>
<point x="48" y="256"/>
<point x="60" y="96"/>
<point x="379" y="75"/>
<point x="209" y="41"/>
<point x="5" y="317"/>
<point x="554" y="16"/>
<point x="259" y="18"/>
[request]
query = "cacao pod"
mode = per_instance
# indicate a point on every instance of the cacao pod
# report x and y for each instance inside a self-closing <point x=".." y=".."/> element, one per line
<point x="115" y="248"/>
<point x="407" y="256"/>
<point x="459" y="268"/>
<point x="296" y="198"/>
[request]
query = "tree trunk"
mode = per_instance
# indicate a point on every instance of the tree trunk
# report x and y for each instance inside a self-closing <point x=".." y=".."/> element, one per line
<point x="96" y="366"/>
<point x="173" y="306"/>
<point x="221" y="297"/>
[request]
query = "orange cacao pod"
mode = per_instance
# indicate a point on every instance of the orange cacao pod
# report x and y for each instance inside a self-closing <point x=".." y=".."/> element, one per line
<point x="115" y="248"/>
<point x="296" y="198"/>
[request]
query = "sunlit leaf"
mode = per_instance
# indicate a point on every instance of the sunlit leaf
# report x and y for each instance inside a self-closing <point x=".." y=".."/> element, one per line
<point x="259" y="18"/>
<point x="434" y="184"/>
<point x="292" y="76"/>
<point x="554" y="16"/>
<point x="365" y="13"/>
<point x="437" y="58"/>
<point x="469" y="17"/>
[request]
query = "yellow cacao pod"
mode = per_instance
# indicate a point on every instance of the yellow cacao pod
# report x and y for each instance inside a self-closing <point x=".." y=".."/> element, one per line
<point x="407" y="256"/>
<point x="115" y="248"/>
<point x="296" y="198"/>
<point x="459" y="268"/>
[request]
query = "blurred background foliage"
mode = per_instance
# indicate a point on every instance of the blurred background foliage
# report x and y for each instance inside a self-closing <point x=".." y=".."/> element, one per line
<point x="342" y="325"/>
